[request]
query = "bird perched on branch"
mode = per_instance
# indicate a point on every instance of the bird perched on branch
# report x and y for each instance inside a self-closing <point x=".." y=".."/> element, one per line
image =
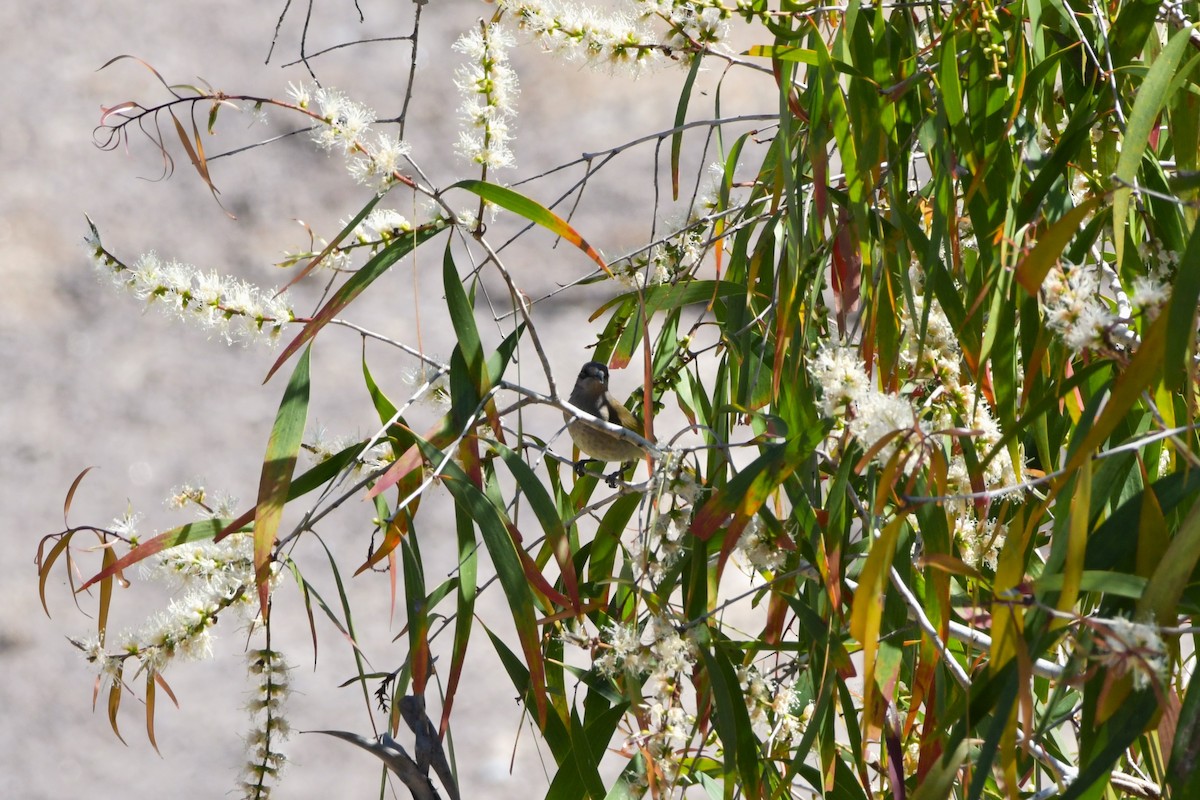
<point x="591" y="395"/>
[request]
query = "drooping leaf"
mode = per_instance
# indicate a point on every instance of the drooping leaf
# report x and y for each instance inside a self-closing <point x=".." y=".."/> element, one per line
<point x="532" y="211"/>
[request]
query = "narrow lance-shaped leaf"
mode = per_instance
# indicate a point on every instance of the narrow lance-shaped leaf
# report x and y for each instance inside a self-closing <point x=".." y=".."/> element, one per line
<point x="415" y="601"/>
<point x="45" y="565"/>
<point x="192" y="532"/>
<point x="199" y="162"/>
<point x="462" y="317"/>
<point x="1181" y="316"/>
<point x="1033" y="268"/>
<point x="550" y="519"/>
<point x="743" y="496"/>
<point x="114" y="701"/>
<point x="1183" y="772"/>
<point x="680" y="118"/>
<point x="278" y="466"/>
<point x="74" y="487"/>
<point x="1174" y="571"/>
<point x="468" y="571"/>
<point x="1151" y="98"/>
<point x="346" y="230"/>
<point x="1077" y="532"/>
<point x="534" y="212"/>
<point x="866" y="613"/>
<point x="105" y="594"/>
<point x="509" y="570"/>
<point x="150" y="686"/>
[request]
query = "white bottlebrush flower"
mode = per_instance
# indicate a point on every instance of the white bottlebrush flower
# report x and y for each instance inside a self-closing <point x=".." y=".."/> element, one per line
<point x="489" y="88"/>
<point x="233" y="308"/>
<point x="383" y="224"/>
<point x="840" y="374"/>
<point x="379" y="162"/>
<point x="938" y="348"/>
<point x="979" y="541"/>
<point x="759" y="552"/>
<point x="1074" y="307"/>
<point x="703" y="22"/>
<point x="300" y="94"/>
<point x="879" y="415"/>
<point x="125" y="525"/>
<point x="346" y="122"/>
<point x="1123" y="646"/>
<point x="611" y="38"/>
<point x="431" y="382"/>
<point x="1149" y="292"/>
<point x="623" y="653"/>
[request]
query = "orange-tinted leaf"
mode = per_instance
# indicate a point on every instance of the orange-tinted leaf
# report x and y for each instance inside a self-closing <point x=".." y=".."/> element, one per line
<point x="534" y="212"/>
<point x="192" y="532"/>
<point x="397" y="529"/>
<point x="114" y="703"/>
<point x="45" y="565"/>
<point x="150" y="711"/>
<point x="109" y="558"/>
<point x="196" y="156"/>
<point x="1033" y="268"/>
<point x="74" y="485"/>
<point x="402" y="466"/>
<point x="744" y="495"/>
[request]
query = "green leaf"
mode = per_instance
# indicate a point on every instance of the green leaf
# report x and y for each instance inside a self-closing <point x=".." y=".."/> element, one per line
<point x="462" y="317"/>
<point x="278" y="466"/>
<point x="680" y="118"/>
<point x="533" y="211"/>
<point x="662" y="297"/>
<point x="1115" y="584"/>
<point x="1121" y="731"/>
<point x="550" y="518"/>
<point x="507" y="561"/>
<point x="468" y="590"/>
<point x="417" y="605"/>
<point x="1174" y="571"/>
<point x="1151" y="98"/>
<point x="783" y="53"/>
<point x="1183" y="771"/>
<point x="1135" y="22"/>
<point x="1181" y="316"/>
<point x="732" y="722"/>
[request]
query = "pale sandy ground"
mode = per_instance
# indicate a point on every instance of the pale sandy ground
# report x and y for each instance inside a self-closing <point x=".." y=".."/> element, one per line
<point x="89" y="380"/>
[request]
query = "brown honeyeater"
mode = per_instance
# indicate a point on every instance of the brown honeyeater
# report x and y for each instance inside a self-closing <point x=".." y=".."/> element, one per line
<point x="591" y="395"/>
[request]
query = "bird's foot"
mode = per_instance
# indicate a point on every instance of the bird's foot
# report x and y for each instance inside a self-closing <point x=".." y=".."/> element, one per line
<point x="611" y="479"/>
<point x="580" y="466"/>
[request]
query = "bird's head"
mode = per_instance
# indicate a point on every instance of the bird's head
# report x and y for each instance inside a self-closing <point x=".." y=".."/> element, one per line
<point x="593" y="377"/>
